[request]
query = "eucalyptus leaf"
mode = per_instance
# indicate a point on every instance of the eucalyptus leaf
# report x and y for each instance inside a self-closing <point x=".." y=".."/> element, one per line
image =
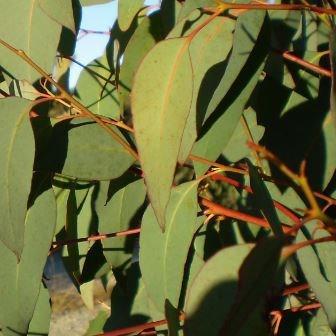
<point x="32" y="24"/>
<point x="98" y="157"/>
<point x="127" y="10"/>
<point x="16" y="163"/>
<point x="171" y="247"/>
<point x="159" y="115"/>
<point x="19" y="297"/>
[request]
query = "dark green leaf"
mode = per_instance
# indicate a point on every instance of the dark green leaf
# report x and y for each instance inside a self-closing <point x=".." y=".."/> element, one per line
<point x="82" y="149"/>
<point x="318" y="265"/>
<point x="264" y="201"/>
<point x="215" y="286"/>
<point x="117" y="205"/>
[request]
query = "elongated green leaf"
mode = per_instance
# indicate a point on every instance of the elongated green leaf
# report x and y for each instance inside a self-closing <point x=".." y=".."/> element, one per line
<point x="59" y="11"/>
<point x="40" y="322"/>
<point x="96" y="90"/>
<point x="117" y="205"/>
<point x="26" y="26"/>
<point x="20" y="282"/>
<point x="319" y="325"/>
<point x="127" y="10"/>
<point x="171" y="247"/>
<point x="16" y="164"/>
<point x="208" y="51"/>
<point x="332" y="46"/>
<point x="318" y="265"/>
<point x="160" y="111"/>
<point x="264" y="201"/>
<point x="144" y="38"/>
<point x="82" y="149"/>
<point x="237" y="148"/>
<point x="248" y="56"/>
<point x="248" y="30"/>
<point x="260" y="271"/>
<point x="215" y="286"/>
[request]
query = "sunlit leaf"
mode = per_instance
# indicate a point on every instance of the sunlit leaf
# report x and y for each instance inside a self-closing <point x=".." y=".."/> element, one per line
<point x="19" y="297"/>
<point x="171" y="247"/>
<point x="160" y="112"/>
<point x="16" y="163"/>
<point x="127" y="10"/>
<point x="32" y="25"/>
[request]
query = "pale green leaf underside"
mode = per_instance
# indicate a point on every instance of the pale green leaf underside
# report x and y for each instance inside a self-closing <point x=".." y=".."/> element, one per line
<point x="161" y="98"/>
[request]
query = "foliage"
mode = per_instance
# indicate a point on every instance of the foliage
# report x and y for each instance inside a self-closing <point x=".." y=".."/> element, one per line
<point x="192" y="167"/>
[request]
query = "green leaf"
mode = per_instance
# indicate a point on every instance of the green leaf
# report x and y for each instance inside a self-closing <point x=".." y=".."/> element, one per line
<point x="171" y="247"/>
<point x="160" y="112"/>
<point x="117" y="205"/>
<point x="96" y="325"/>
<point x="263" y="200"/>
<point x="260" y="272"/>
<point x="59" y="11"/>
<point x="250" y="34"/>
<point x="16" y="164"/>
<point x="40" y="322"/>
<point x="82" y="149"/>
<point x="318" y="265"/>
<point x="215" y="286"/>
<point x="237" y="148"/>
<point x="96" y="90"/>
<point x="332" y="47"/>
<point x="20" y="282"/>
<point x="208" y="53"/>
<point x="127" y="10"/>
<point x="191" y="5"/>
<point x="319" y="325"/>
<point x="144" y="38"/>
<point x="26" y="26"/>
<point x="248" y="54"/>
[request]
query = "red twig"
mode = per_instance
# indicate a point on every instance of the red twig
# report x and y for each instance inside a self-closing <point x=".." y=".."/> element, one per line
<point x="307" y="65"/>
<point x="277" y="204"/>
<point x="226" y="212"/>
<point x="295" y="289"/>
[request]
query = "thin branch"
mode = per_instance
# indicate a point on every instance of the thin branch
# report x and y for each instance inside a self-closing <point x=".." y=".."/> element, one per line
<point x="65" y="95"/>
<point x="224" y="6"/>
<point x="220" y="210"/>
<point x="57" y="245"/>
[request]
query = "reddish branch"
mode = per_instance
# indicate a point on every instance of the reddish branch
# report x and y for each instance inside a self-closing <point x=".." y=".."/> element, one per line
<point x="58" y="245"/>
<point x="307" y="65"/>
